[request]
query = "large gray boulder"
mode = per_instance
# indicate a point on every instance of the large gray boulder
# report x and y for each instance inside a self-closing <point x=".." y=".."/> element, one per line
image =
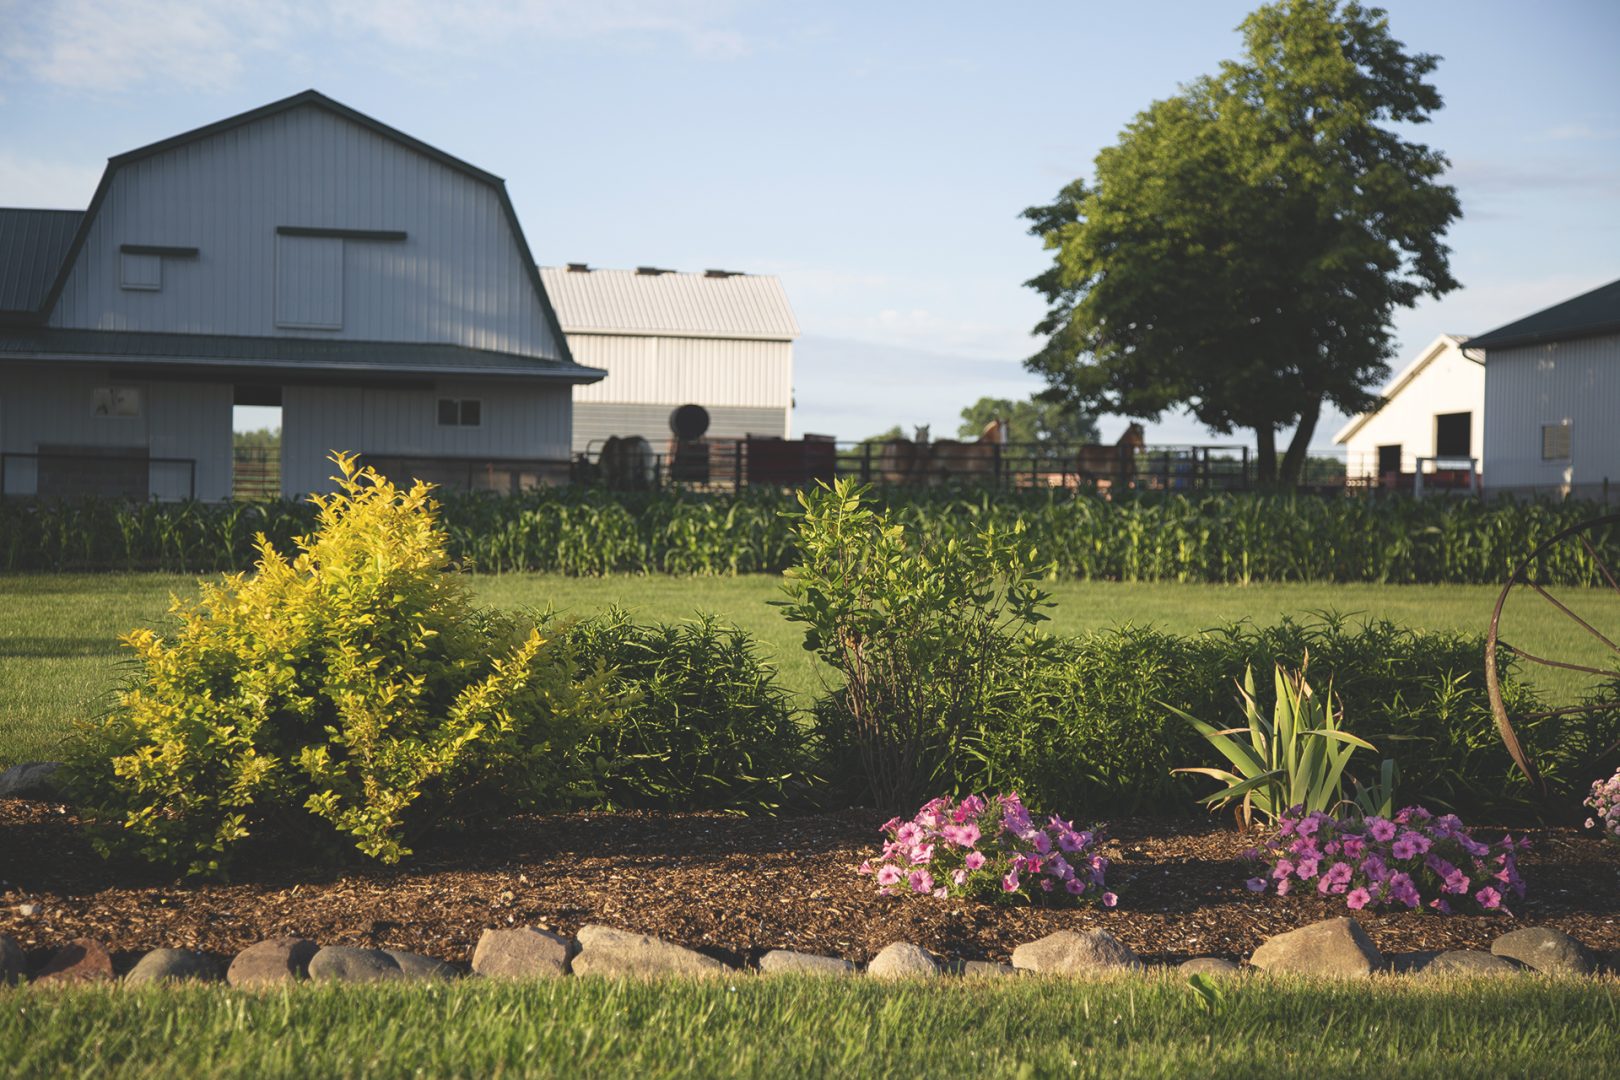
<point x="606" y="951"/>
<point x="1070" y="952"/>
<point x="80" y="960"/>
<point x="1469" y="962"/>
<point x="418" y="968"/>
<point x="985" y="969"/>
<point x="1333" y="948"/>
<point x="784" y="962"/>
<point x="13" y="962"/>
<point x="1208" y="965"/>
<point x="173" y="965"/>
<point x="30" y="780"/>
<point x="1545" y="949"/>
<point x="523" y="953"/>
<point x="903" y="960"/>
<point x="272" y="963"/>
<point x="346" y="964"/>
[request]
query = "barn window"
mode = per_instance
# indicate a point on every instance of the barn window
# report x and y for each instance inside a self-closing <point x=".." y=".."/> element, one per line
<point x="1452" y="434"/>
<point x="309" y="282"/>
<point x="460" y="412"/>
<point x="1555" y="442"/>
<point x="141" y="272"/>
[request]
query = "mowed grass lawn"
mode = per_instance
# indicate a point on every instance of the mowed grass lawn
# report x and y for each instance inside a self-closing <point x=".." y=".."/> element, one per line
<point x="746" y="1026"/>
<point x="59" y="652"/>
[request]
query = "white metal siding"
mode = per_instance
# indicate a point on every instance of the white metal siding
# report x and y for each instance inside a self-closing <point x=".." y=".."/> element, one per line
<point x="1450" y="383"/>
<point x="1573" y="381"/>
<point x="460" y="276"/>
<point x="675" y="371"/>
<point x="50" y="405"/>
<point x="520" y="421"/>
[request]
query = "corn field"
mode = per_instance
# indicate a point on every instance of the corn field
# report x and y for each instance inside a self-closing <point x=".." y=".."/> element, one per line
<point x="1235" y="537"/>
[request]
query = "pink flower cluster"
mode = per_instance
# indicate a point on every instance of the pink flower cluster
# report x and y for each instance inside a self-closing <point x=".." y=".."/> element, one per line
<point x="991" y="849"/>
<point x="1414" y="860"/>
<point x="1605" y="804"/>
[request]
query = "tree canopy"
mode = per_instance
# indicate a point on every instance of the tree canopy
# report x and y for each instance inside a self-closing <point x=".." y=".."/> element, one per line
<point x="1245" y="244"/>
<point x="1031" y="423"/>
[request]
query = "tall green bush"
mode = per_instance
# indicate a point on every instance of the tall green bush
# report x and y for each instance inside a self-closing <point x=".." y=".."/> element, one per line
<point x="354" y="688"/>
<point x="914" y="627"/>
<point x="706" y="725"/>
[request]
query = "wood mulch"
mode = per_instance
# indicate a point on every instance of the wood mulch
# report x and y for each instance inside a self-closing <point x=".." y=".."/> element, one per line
<point x="734" y="887"/>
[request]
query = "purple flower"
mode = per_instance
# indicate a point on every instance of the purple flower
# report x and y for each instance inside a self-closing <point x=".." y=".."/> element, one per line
<point x="1256" y="884"/>
<point x="1488" y="898"/>
<point x="1353" y="847"/>
<point x="1403" y="891"/>
<point x="1282" y="869"/>
<point x="1358" y="899"/>
<point x="1109" y="899"/>
<point x="1075" y="886"/>
<point x="1072" y="841"/>
<point x="1306" y="869"/>
<point x="1042" y="842"/>
<point x="1381" y="829"/>
<point x="1308" y="826"/>
<point x="1410" y="845"/>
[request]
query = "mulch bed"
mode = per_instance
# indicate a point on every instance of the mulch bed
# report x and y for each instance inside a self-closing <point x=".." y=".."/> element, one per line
<point x="734" y="887"/>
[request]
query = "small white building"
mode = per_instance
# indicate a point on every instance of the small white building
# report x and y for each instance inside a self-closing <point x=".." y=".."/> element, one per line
<point x="719" y="339"/>
<point x="1432" y="409"/>
<point x="1552" y="399"/>
<point x="302" y="255"/>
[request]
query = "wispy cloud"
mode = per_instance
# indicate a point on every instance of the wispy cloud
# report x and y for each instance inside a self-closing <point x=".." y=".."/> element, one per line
<point x="1501" y="177"/>
<point x="116" y="45"/>
<point x="1580" y="133"/>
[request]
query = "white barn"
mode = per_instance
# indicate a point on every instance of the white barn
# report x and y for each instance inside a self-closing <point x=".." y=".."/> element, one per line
<point x="1552" y="399"/>
<point x="718" y="339"/>
<point x="1432" y="408"/>
<point x="303" y="255"/>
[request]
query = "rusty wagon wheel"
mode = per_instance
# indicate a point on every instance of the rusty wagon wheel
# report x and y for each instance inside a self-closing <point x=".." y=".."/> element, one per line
<point x="1528" y="577"/>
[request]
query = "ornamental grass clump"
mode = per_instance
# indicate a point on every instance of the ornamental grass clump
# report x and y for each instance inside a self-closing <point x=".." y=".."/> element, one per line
<point x="990" y="849"/>
<point x="1412" y="860"/>
<point x="1605" y="805"/>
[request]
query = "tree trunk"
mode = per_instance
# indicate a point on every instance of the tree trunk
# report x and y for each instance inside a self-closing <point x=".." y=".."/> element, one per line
<point x="1293" y="464"/>
<point x="1265" y="461"/>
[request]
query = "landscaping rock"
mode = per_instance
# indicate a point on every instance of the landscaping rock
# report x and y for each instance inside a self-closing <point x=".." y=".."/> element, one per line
<point x="344" y="964"/>
<point x="524" y="953"/>
<point x="272" y="962"/>
<point x="606" y="951"/>
<point x="1335" y="948"/>
<point x="1545" y="949"/>
<point x="173" y="965"/>
<point x="1409" y="963"/>
<point x="27" y="911"/>
<point x="902" y="960"/>
<point x="80" y="960"/>
<point x="1066" y="952"/>
<point x="1469" y="962"/>
<point x="31" y="780"/>
<point x="1208" y="965"/>
<point x="13" y="962"/>
<point x="986" y="969"/>
<point x="784" y="962"/>
<point x="418" y="968"/>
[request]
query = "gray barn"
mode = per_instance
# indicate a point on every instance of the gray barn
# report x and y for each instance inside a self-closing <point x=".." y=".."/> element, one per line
<point x="303" y="255"/>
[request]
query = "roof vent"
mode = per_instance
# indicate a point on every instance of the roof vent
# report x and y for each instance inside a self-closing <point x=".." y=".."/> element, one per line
<point x="722" y="273"/>
<point x="652" y="271"/>
<point x="579" y="268"/>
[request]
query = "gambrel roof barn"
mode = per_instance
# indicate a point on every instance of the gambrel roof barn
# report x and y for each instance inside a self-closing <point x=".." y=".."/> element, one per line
<point x="304" y="255"/>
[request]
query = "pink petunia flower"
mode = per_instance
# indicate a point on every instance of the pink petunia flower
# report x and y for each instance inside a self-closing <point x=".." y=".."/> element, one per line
<point x="1010" y="882"/>
<point x="921" y="881"/>
<point x="974" y="860"/>
<point x="1488" y="898"/>
<point x="1109" y="899"/>
<point x="1358" y="899"/>
<point x="889" y="875"/>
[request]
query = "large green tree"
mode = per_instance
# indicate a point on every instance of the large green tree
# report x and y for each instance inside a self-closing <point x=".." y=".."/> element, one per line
<point x="1244" y="246"/>
<point x="1032" y="424"/>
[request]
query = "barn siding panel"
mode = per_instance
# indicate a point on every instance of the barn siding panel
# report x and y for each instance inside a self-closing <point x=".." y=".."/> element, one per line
<point x="1525" y="388"/>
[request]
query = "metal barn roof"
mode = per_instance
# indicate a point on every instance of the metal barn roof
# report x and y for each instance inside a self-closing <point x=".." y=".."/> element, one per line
<point x="663" y="303"/>
<point x="33" y="244"/>
<point x="1588" y="315"/>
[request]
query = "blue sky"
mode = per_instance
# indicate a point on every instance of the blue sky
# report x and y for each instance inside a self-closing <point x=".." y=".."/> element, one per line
<point x="875" y="156"/>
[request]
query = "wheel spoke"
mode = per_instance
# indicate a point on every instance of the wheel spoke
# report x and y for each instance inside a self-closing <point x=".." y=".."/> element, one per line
<point x="1588" y="627"/>
<point x="1534" y="659"/>
<point x="1603" y="567"/>
<point x="1591" y="706"/>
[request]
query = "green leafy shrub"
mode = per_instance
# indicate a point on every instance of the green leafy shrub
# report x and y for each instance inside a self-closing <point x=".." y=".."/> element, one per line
<point x="1077" y="722"/>
<point x="1295" y="759"/>
<point x="915" y="628"/>
<point x="354" y="688"/>
<point x="706" y="725"/>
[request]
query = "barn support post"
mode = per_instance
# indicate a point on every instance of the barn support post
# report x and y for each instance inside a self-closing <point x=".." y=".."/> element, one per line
<point x="737" y="466"/>
<point x="866" y="463"/>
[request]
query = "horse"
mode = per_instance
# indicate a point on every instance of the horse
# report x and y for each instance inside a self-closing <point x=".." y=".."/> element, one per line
<point x="627" y="463"/>
<point x="1111" y="465"/>
<point x="908" y="461"/>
